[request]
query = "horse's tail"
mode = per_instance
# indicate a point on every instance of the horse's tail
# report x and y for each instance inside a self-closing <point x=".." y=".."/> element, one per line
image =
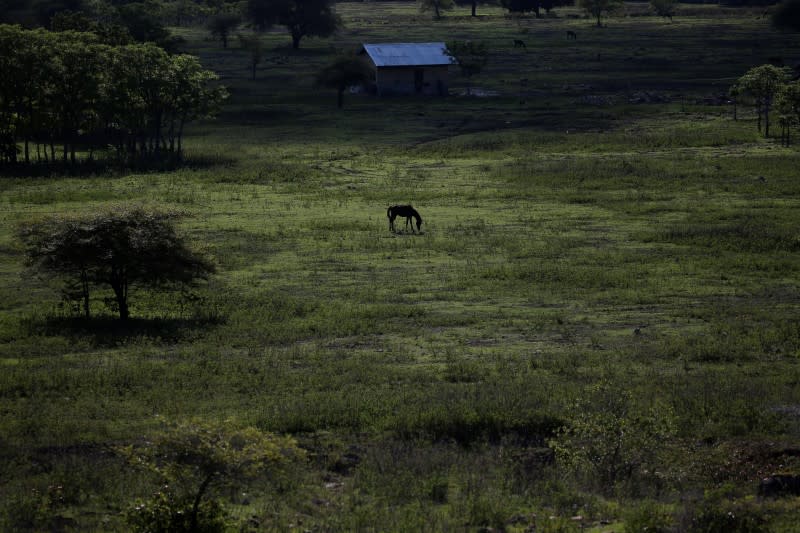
<point x="389" y="212"/>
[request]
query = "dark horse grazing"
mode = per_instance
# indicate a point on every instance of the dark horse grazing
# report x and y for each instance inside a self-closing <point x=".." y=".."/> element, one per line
<point x="403" y="211"/>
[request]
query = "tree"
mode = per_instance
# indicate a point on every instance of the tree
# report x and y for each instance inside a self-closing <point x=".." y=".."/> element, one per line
<point x="597" y="8"/>
<point x="303" y="18"/>
<point x="343" y="73"/>
<point x="199" y="458"/>
<point x="255" y="47"/>
<point x="548" y="5"/>
<point x="436" y="5"/>
<point x="787" y="16"/>
<point x="474" y="4"/>
<point x="222" y="24"/>
<point x="75" y="76"/>
<point x="108" y="33"/>
<point x="762" y="84"/>
<point x="787" y="103"/>
<point x="144" y="23"/>
<point x="535" y="6"/>
<point x="664" y="8"/>
<point x="120" y="248"/>
<point x="470" y="56"/>
<point x="522" y="6"/>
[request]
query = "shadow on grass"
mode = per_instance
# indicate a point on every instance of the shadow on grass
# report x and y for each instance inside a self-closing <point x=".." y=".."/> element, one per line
<point x="110" y="167"/>
<point x="105" y="331"/>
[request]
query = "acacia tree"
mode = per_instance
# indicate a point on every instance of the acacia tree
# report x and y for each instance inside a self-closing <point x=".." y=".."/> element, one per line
<point x="763" y="83"/>
<point x="597" y="8"/>
<point x="343" y="73"/>
<point x="303" y="18"/>
<point x="199" y="458"/>
<point x="119" y="248"/>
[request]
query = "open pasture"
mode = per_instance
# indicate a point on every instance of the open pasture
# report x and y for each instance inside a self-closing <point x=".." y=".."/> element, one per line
<point x="605" y="221"/>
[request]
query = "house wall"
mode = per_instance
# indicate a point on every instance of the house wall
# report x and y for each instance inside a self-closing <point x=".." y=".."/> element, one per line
<point x="402" y="80"/>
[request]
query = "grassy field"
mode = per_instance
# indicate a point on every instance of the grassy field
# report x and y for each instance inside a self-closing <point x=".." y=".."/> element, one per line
<point x="602" y="240"/>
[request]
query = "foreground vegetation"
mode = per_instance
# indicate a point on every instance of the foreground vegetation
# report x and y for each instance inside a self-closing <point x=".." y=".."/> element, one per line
<point x="597" y="327"/>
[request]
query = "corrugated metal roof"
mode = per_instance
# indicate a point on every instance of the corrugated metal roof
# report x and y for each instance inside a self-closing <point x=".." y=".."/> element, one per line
<point x="408" y="54"/>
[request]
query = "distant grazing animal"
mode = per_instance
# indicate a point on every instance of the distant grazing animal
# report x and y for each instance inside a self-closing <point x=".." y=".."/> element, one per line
<point x="572" y="35"/>
<point x="403" y="211"/>
<point x="519" y="43"/>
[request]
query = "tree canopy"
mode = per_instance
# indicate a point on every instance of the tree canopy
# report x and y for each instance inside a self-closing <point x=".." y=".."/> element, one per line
<point x="120" y="248"/>
<point x="787" y="16"/>
<point x="437" y="6"/>
<point x="535" y="6"/>
<point x="343" y="73"/>
<point x="470" y="56"/>
<point x="222" y="25"/>
<point x="664" y="8"/>
<point x="303" y="18"/>
<point x="787" y="104"/>
<point x="762" y="84"/>
<point x="597" y="8"/>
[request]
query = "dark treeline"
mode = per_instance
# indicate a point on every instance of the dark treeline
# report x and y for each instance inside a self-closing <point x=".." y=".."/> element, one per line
<point x="63" y="94"/>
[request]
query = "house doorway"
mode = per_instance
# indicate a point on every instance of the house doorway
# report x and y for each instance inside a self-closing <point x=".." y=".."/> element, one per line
<point x="419" y="79"/>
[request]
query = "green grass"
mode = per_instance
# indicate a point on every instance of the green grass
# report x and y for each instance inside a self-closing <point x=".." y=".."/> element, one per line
<point x="565" y="241"/>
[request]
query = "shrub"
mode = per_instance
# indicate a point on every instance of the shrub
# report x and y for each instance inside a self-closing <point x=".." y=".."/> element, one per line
<point x="165" y="511"/>
<point x="609" y="439"/>
<point x="648" y="516"/>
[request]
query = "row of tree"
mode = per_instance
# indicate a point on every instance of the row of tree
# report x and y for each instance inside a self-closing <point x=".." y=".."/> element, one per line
<point x="68" y="90"/>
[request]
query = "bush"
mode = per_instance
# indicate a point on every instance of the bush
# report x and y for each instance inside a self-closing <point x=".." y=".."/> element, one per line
<point x="164" y="511"/>
<point x="648" y="516"/>
<point x="727" y="517"/>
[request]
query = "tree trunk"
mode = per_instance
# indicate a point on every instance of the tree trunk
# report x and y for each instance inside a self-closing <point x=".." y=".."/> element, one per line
<point x="197" y="499"/>
<point x="296" y="36"/>
<point x="474" y="8"/>
<point x="119" y="284"/>
<point x="85" y="290"/>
